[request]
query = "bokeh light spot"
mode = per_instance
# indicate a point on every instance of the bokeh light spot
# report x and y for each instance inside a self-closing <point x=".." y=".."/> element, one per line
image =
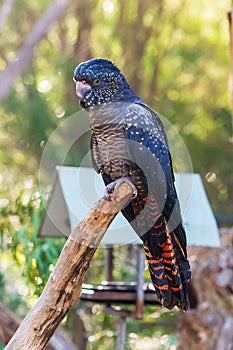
<point x="210" y="177"/>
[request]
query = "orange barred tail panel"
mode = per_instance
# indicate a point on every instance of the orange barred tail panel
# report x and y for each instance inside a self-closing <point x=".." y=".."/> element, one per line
<point x="169" y="273"/>
<point x="165" y="253"/>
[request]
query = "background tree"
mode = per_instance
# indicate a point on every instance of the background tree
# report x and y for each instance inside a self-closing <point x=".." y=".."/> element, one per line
<point x="174" y="54"/>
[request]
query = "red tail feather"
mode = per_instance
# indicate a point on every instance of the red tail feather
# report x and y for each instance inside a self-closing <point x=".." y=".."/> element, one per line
<point x="169" y="273"/>
<point x="165" y="254"/>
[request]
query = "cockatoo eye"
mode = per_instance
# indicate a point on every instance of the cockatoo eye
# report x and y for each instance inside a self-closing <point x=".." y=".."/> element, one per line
<point x="96" y="82"/>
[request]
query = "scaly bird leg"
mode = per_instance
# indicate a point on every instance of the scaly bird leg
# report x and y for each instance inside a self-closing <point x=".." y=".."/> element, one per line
<point x="113" y="187"/>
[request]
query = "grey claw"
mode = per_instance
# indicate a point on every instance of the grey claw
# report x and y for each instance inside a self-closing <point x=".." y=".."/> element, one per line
<point x="135" y="192"/>
<point x="113" y="187"/>
<point x="106" y="195"/>
<point x="108" y="190"/>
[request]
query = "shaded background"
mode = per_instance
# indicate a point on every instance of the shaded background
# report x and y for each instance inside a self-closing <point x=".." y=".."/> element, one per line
<point x="175" y="55"/>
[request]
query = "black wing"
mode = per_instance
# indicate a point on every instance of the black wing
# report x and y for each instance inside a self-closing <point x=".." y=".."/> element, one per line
<point x="148" y="148"/>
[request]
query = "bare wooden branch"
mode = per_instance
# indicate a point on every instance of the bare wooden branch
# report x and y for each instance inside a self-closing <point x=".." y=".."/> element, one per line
<point x="16" y="68"/>
<point x="64" y="285"/>
<point x="9" y="323"/>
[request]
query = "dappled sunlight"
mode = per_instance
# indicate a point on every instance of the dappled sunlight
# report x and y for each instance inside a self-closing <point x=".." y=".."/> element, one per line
<point x="44" y="86"/>
<point x="175" y="55"/>
<point x="108" y="6"/>
<point x="152" y="342"/>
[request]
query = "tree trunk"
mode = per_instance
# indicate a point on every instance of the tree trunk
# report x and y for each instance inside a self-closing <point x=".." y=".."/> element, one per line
<point x="24" y="58"/>
<point x="209" y="324"/>
<point x="65" y="283"/>
<point x="5" y="11"/>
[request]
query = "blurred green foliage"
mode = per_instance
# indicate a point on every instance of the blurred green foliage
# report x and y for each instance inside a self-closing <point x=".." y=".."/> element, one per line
<point x="175" y="56"/>
<point x="26" y="259"/>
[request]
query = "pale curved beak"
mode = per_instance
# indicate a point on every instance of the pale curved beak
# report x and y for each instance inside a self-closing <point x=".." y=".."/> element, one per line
<point x="82" y="88"/>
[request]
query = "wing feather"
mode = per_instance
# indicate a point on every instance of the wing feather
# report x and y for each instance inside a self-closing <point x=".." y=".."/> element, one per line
<point x="148" y="148"/>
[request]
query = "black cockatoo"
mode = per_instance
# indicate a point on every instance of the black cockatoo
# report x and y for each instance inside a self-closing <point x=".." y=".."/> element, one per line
<point x="128" y="143"/>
